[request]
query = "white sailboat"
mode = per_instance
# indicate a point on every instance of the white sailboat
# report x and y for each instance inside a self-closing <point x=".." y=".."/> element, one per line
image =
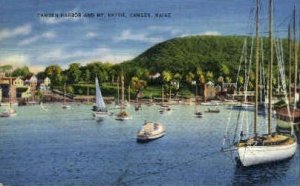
<point x="99" y="109"/>
<point x="122" y="115"/>
<point x="270" y="147"/>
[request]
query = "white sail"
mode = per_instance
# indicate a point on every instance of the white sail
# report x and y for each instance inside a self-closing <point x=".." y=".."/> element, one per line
<point x="99" y="99"/>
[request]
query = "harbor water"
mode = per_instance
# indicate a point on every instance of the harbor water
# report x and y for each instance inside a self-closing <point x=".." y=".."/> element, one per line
<point x="54" y="146"/>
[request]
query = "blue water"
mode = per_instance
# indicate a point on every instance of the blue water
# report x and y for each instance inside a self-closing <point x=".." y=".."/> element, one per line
<point x="68" y="147"/>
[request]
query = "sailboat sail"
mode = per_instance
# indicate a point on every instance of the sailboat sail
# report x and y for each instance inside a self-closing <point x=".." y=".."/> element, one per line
<point x="99" y="99"/>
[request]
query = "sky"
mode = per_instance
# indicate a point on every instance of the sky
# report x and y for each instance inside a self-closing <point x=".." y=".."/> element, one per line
<point x="28" y="37"/>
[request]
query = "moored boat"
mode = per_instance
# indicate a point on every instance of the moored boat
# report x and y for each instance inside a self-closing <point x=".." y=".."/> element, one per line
<point x="9" y="113"/>
<point x="99" y="109"/>
<point x="213" y="110"/>
<point x="256" y="148"/>
<point x="122" y="115"/>
<point x="150" y="131"/>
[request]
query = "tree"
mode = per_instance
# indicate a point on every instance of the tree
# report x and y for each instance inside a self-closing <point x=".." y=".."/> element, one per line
<point x="167" y="76"/>
<point x="189" y="77"/>
<point x="137" y="83"/>
<point x="22" y="71"/>
<point x="54" y="72"/>
<point x="209" y="76"/>
<point x="74" y="73"/>
<point x="87" y="75"/>
<point x="225" y="70"/>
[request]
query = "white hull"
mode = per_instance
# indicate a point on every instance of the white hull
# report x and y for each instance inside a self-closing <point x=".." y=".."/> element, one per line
<point x="123" y="118"/>
<point x="66" y="106"/>
<point x="209" y="103"/>
<point x="101" y="114"/>
<point x="8" y="114"/>
<point x="150" y="131"/>
<point x="148" y="138"/>
<point x="254" y="155"/>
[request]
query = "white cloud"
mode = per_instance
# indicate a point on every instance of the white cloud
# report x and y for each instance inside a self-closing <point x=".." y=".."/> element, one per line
<point x="206" y="33"/>
<point x="21" y="30"/>
<point x="15" y="60"/>
<point x="98" y="54"/>
<point x="210" y="33"/>
<point x="127" y="35"/>
<point x="46" y="35"/>
<point x="91" y="35"/>
<point x="36" y="68"/>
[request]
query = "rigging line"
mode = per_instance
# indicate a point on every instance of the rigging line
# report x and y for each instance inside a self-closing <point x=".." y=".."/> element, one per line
<point x="241" y="58"/>
<point x="283" y="80"/>
<point x="249" y="67"/>
<point x="226" y="129"/>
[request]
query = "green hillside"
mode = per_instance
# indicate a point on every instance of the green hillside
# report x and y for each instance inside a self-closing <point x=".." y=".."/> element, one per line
<point x="182" y="55"/>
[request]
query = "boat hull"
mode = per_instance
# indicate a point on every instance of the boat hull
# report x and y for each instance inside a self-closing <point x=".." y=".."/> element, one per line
<point x="8" y="114"/>
<point x="101" y="114"/>
<point x="144" y="139"/>
<point x="66" y="106"/>
<point x="254" y="155"/>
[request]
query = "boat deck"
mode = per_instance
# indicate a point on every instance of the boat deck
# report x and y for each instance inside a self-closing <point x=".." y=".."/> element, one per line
<point x="267" y="140"/>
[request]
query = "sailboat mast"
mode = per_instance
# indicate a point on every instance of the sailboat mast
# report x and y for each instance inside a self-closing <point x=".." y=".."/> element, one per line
<point x="64" y="94"/>
<point x="118" y="87"/>
<point x="295" y="58"/>
<point x="256" y="70"/>
<point x="122" y="84"/>
<point x="162" y="95"/>
<point x="129" y="94"/>
<point x="196" y="99"/>
<point x="290" y="62"/>
<point x="270" y="65"/>
<point x="88" y="94"/>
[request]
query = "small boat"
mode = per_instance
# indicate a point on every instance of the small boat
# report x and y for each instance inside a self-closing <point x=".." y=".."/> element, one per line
<point x="137" y="107"/>
<point x="244" y="106"/>
<point x="33" y="102"/>
<point x="65" y="105"/>
<point x="197" y="113"/>
<point x="99" y="109"/>
<point x="211" y="103"/>
<point x="122" y="115"/>
<point x="9" y="113"/>
<point x="150" y="131"/>
<point x="214" y="110"/>
<point x="163" y="107"/>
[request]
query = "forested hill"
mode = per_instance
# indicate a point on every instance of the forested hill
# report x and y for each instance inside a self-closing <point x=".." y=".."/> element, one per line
<point x="218" y="55"/>
<point x="183" y="55"/>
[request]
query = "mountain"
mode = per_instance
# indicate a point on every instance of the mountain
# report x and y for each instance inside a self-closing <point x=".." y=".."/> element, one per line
<point x="186" y="53"/>
<point x="217" y="54"/>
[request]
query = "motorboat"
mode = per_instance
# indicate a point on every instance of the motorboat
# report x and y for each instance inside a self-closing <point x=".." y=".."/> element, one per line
<point x="150" y="131"/>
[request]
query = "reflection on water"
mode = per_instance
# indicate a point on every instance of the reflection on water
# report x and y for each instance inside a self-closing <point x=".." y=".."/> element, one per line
<point x="69" y="147"/>
<point x="262" y="174"/>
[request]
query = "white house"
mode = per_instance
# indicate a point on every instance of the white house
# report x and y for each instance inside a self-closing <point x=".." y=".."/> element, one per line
<point x="47" y="82"/>
<point x="18" y="82"/>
